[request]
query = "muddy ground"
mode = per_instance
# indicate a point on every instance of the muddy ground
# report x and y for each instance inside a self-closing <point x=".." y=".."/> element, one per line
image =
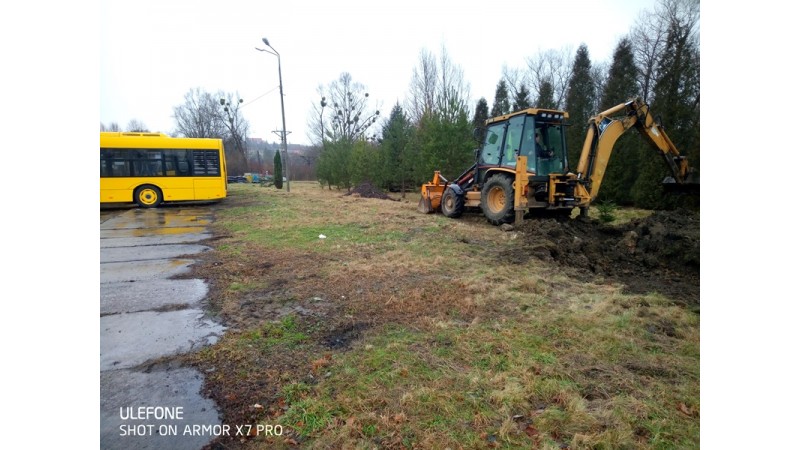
<point x="658" y="253"/>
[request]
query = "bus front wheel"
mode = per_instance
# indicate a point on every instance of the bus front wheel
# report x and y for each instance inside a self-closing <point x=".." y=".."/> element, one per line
<point x="147" y="196"/>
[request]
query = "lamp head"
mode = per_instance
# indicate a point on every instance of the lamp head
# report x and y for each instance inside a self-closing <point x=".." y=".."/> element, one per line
<point x="265" y="41"/>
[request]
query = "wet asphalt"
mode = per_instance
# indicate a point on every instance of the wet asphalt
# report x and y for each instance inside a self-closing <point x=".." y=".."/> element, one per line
<point x="151" y="311"/>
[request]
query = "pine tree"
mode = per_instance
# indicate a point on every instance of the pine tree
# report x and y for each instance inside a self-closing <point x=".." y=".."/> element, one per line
<point x="364" y="163"/>
<point x="445" y="145"/>
<point x="522" y="100"/>
<point x="479" y="119"/>
<point x="677" y="103"/>
<point x="394" y="149"/>
<point x="546" y="98"/>
<point x="501" y="105"/>
<point x="278" y="170"/>
<point x="623" y="166"/>
<point x="580" y="98"/>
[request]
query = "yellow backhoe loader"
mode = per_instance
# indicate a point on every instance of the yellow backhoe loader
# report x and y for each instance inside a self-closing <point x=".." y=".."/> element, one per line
<point x="522" y="164"/>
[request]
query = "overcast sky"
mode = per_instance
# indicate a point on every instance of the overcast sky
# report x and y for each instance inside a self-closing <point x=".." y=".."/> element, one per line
<point x="154" y="51"/>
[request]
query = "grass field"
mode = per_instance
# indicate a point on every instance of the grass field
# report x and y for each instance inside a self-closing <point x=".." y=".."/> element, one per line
<point x="360" y="323"/>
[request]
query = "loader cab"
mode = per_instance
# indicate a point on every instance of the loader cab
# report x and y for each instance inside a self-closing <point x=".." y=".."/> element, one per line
<point x="515" y="134"/>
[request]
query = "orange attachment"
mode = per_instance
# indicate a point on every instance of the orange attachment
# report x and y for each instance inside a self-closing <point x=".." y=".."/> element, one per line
<point x="431" y="195"/>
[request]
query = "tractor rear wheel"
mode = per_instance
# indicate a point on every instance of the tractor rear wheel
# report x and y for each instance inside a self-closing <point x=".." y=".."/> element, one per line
<point x="497" y="199"/>
<point x="452" y="203"/>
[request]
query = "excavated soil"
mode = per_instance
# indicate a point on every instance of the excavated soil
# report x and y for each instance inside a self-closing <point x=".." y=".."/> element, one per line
<point x="368" y="190"/>
<point x="659" y="253"/>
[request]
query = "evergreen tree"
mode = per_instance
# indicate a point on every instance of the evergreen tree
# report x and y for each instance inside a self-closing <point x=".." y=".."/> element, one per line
<point x="332" y="166"/>
<point x="278" y="170"/>
<point x="443" y="136"/>
<point x="623" y="167"/>
<point x="580" y="98"/>
<point x="479" y="119"/>
<point x="364" y="163"/>
<point x="445" y="145"/>
<point x="546" y="99"/>
<point x="621" y="82"/>
<point x="323" y="170"/>
<point x="501" y="104"/>
<point x="677" y="103"/>
<point x="395" y="148"/>
<point x="522" y="100"/>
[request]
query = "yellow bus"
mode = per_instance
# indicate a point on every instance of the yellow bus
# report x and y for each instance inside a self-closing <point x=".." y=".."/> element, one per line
<point x="152" y="168"/>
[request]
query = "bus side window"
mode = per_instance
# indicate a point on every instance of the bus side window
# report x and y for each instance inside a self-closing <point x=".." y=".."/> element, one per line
<point x="120" y="163"/>
<point x="105" y="159"/>
<point x="183" y="168"/>
<point x="184" y="164"/>
<point x="156" y="164"/>
<point x="178" y="162"/>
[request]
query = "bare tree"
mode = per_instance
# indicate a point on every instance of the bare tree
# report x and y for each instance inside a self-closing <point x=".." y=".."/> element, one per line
<point x="350" y="117"/>
<point x="315" y="123"/>
<point x="422" y="92"/>
<point x="113" y="126"/>
<point x="136" y="126"/>
<point x="452" y="91"/>
<point x="437" y="86"/>
<point x="553" y="67"/>
<point x="199" y="116"/>
<point x="236" y="125"/>
<point x="204" y="115"/>
<point x="515" y="80"/>
<point x="649" y="36"/>
<point x="599" y="74"/>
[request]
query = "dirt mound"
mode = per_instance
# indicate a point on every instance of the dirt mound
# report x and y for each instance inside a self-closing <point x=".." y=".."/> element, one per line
<point x="658" y="253"/>
<point x="368" y="190"/>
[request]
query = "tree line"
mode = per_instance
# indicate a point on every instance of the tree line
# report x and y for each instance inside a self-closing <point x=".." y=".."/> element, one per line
<point x="658" y="60"/>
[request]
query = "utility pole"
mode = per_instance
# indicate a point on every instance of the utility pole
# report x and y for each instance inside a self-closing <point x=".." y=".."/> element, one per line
<point x="283" y="113"/>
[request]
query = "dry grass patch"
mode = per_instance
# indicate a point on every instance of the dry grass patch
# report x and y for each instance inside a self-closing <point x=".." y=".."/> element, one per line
<point x="401" y="330"/>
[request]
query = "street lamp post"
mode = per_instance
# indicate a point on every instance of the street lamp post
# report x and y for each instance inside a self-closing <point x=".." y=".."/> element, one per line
<point x="283" y="113"/>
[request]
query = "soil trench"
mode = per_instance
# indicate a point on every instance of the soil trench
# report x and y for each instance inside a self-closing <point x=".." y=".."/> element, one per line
<point x="659" y="253"/>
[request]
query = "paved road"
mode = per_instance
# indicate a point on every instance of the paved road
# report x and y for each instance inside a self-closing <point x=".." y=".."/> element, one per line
<point x="147" y="399"/>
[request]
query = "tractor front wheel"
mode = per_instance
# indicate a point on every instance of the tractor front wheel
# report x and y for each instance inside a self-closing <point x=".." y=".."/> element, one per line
<point x="497" y="199"/>
<point x="452" y="203"/>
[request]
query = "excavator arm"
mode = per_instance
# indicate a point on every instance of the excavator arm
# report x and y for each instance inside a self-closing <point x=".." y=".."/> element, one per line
<point x="606" y="128"/>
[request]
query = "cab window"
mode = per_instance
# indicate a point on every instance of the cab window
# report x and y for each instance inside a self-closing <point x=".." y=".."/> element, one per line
<point x="490" y="153"/>
<point x="511" y="146"/>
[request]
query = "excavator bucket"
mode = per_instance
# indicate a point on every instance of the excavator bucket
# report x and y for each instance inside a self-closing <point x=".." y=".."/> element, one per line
<point x="690" y="186"/>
